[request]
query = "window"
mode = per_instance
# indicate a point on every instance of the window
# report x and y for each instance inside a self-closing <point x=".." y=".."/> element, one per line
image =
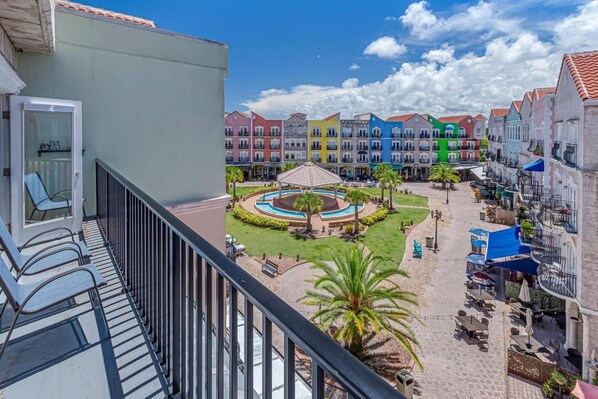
<point x="331" y="132"/>
<point x="397" y="158"/>
<point x="424" y="133"/>
<point x="409" y="132"/>
<point x="315" y="132"/>
<point x="376" y="157"/>
<point x="228" y="131"/>
<point x="376" y="132"/>
<point x="396" y="132"/>
<point x="461" y="132"/>
<point x="259" y="130"/>
<point x="435" y="133"/>
<point x="275" y="131"/>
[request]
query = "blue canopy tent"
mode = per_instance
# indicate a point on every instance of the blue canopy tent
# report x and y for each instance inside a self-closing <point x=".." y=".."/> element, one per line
<point x="505" y="250"/>
<point x="476" y="259"/>
<point x="478" y="243"/>
<point x="478" y="232"/>
<point x="534" y="166"/>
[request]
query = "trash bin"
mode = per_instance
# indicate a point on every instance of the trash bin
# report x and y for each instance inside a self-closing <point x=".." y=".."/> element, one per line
<point x="405" y="383"/>
<point x="429" y="241"/>
<point x="482" y="216"/>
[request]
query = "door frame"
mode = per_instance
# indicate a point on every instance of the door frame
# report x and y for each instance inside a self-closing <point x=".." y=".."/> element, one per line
<point x="20" y="232"/>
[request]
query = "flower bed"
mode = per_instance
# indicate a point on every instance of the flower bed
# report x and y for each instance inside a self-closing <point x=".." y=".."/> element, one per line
<point x="259" y="221"/>
<point x="375" y="217"/>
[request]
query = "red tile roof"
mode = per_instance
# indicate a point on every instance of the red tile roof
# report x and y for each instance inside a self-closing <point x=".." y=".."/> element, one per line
<point x="453" y="119"/>
<point x="517" y="105"/>
<point x="331" y="116"/>
<point x="539" y="93"/>
<point x="400" y="118"/>
<point x="529" y="96"/>
<point x="240" y="113"/>
<point x="584" y="69"/>
<point x="106" y="13"/>
<point x="497" y="112"/>
<point x="480" y="117"/>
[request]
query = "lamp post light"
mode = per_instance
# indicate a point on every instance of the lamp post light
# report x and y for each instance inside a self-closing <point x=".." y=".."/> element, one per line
<point x="436" y="215"/>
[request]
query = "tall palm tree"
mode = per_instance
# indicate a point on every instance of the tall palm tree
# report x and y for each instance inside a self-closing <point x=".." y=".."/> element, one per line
<point x="357" y="198"/>
<point x="356" y="297"/>
<point x="446" y="174"/>
<point x="309" y="203"/>
<point x="379" y="171"/>
<point x="392" y="180"/>
<point x="288" y="166"/>
<point x="234" y="175"/>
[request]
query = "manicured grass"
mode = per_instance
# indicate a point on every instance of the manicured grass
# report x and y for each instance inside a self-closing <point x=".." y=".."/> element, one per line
<point x="400" y="199"/>
<point x="271" y="242"/>
<point x="385" y="239"/>
<point x="242" y="191"/>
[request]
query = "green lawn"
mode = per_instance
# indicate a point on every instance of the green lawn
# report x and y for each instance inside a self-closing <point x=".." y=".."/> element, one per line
<point x="271" y="242"/>
<point x="400" y="199"/>
<point x="246" y="190"/>
<point x="386" y="238"/>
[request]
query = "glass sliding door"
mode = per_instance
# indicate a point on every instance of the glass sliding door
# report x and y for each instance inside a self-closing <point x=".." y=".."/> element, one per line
<point x="45" y="166"/>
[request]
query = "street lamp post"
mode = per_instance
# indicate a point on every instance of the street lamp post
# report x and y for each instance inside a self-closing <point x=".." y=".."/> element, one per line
<point x="436" y="215"/>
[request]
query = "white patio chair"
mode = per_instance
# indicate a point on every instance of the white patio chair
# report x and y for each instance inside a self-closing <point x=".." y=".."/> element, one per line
<point x="41" y="295"/>
<point x="42" y="201"/>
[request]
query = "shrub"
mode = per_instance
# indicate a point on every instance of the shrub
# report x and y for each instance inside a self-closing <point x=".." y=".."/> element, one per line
<point x="375" y="217"/>
<point x="540" y="297"/>
<point x="259" y="221"/>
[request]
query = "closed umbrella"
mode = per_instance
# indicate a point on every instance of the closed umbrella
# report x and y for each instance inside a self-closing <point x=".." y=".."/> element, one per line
<point x="524" y="293"/>
<point x="528" y="325"/>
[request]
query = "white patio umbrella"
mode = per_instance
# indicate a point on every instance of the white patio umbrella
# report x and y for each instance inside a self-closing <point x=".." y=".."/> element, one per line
<point x="528" y="324"/>
<point x="524" y="293"/>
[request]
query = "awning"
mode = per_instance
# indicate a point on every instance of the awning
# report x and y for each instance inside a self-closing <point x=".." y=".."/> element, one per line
<point x="479" y="173"/>
<point x="478" y="243"/>
<point x="476" y="259"/>
<point x="478" y="232"/>
<point x="534" y="166"/>
<point x="524" y="265"/>
<point x="505" y="244"/>
<point x="397" y="167"/>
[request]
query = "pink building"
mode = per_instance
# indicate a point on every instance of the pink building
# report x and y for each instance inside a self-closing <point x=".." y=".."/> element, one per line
<point x="237" y="140"/>
<point x="267" y="144"/>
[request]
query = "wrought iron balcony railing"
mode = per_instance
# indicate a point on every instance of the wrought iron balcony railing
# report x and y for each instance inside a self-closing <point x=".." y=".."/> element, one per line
<point x="553" y="279"/>
<point x="555" y="151"/>
<point x="331" y="147"/>
<point x="189" y="296"/>
<point x="397" y="148"/>
<point x="557" y="214"/>
<point x="424" y="160"/>
<point x="570" y="155"/>
<point x="244" y="133"/>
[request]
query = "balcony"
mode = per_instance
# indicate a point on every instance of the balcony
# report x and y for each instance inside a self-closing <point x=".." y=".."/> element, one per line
<point x="316" y="147"/>
<point x="331" y="147"/>
<point x="570" y="156"/>
<point x="376" y="135"/>
<point x="553" y="280"/>
<point x="228" y="146"/>
<point x="424" y="160"/>
<point x="409" y="148"/>
<point x="397" y="135"/>
<point x="258" y="147"/>
<point x="409" y="135"/>
<point x="453" y="160"/>
<point x="316" y="159"/>
<point x="555" y="151"/>
<point x="331" y="133"/>
<point x="362" y="135"/>
<point x="275" y="133"/>
<point x="347" y="160"/>
<point x="347" y="148"/>
<point x="316" y="134"/>
<point x="557" y="215"/>
<point x="258" y="159"/>
<point x="176" y="306"/>
<point x="377" y="148"/>
<point x="362" y="160"/>
<point x="347" y="135"/>
<point x="408" y="160"/>
<point x="424" y="135"/>
<point x="244" y="146"/>
<point x="244" y="133"/>
<point x="362" y="147"/>
<point x="243" y="159"/>
<point x="424" y="148"/>
<point x="435" y="148"/>
<point x="274" y="159"/>
<point x="376" y="160"/>
<point x="397" y="160"/>
<point x="228" y="133"/>
<point x="228" y="159"/>
<point x="275" y="146"/>
<point x="331" y="160"/>
<point x="258" y="133"/>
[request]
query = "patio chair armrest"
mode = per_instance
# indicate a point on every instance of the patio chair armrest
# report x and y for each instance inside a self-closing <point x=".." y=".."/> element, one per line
<point x="56" y="277"/>
<point x="59" y="196"/>
<point x="45" y="254"/>
<point x="61" y="191"/>
<point x="71" y="234"/>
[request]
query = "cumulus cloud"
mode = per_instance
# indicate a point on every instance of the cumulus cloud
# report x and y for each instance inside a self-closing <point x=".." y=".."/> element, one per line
<point x="354" y="67"/>
<point x="445" y="81"/>
<point x="385" y="47"/>
<point x="423" y="24"/>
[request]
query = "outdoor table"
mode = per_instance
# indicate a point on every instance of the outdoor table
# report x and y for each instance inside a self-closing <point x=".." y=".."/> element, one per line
<point x="481" y="297"/>
<point x="522" y="340"/>
<point x="471" y="324"/>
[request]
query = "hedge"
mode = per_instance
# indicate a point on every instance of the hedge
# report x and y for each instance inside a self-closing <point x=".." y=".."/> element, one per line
<point x="375" y="217"/>
<point x="539" y="296"/>
<point x="259" y="221"/>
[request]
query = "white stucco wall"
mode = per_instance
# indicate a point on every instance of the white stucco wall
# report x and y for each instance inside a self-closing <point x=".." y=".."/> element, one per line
<point x="152" y="103"/>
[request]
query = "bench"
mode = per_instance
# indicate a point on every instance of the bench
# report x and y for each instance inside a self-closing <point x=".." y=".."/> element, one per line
<point x="270" y="268"/>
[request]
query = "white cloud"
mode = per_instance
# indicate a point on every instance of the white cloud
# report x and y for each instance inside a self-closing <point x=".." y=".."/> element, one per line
<point x="482" y="17"/>
<point x="385" y="47"/>
<point x="444" y="81"/>
<point x="579" y="32"/>
<point x="354" y="67"/>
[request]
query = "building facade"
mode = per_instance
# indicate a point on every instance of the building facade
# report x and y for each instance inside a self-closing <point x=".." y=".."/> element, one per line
<point x="416" y="130"/>
<point x="295" y="138"/>
<point x="267" y="148"/>
<point x="237" y="141"/>
<point x="324" y="141"/>
<point x="353" y="155"/>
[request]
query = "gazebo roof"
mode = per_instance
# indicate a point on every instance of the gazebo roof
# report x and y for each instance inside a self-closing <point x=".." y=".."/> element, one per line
<point x="308" y="175"/>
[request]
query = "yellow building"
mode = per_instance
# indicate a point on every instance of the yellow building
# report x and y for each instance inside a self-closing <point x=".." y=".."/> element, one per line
<point x="324" y="140"/>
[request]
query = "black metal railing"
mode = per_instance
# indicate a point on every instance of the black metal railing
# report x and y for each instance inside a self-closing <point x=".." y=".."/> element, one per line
<point x="555" y="151"/>
<point x="557" y="214"/>
<point x="180" y="284"/>
<point x="553" y="279"/>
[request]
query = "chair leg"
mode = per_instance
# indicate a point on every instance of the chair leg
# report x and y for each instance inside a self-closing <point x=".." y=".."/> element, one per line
<point x="44" y="215"/>
<point x="32" y="213"/>
<point x="10" y="330"/>
<point x="3" y="308"/>
<point x="103" y="313"/>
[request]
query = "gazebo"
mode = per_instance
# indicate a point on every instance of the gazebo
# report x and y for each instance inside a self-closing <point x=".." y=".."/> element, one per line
<point x="308" y="175"/>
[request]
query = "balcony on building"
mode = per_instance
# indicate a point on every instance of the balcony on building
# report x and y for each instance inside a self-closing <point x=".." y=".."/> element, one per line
<point x="424" y="160"/>
<point x="275" y="146"/>
<point x="331" y="147"/>
<point x="424" y="135"/>
<point x="243" y="146"/>
<point x="408" y="160"/>
<point x="376" y="147"/>
<point x="553" y="279"/>
<point x="316" y="147"/>
<point x="362" y="147"/>
<point x="228" y="159"/>
<point x="228" y="132"/>
<point x="243" y="159"/>
<point x="557" y="214"/>
<point x="362" y="134"/>
<point x="409" y="147"/>
<point x="275" y="133"/>
<point x="555" y="151"/>
<point x="570" y="155"/>
<point x="347" y="147"/>
<point x="346" y="134"/>
<point x="244" y="133"/>
<point x="228" y="146"/>
<point x="453" y="160"/>
<point x="399" y="135"/>
<point x="316" y="159"/>
<point x="274" y="159"/>
<point x="258" y="133"/>
<point x="258" y="146"/>
<point x="316" y="134"/>
<point x="424" y="147"/>
<point x="347" y="160"/>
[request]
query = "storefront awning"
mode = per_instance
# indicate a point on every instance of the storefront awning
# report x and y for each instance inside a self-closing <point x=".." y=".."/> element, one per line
<point x="478" y="243"/>
<point x="505" y="244"/>
<point x="534" y="166"/>
<point x="397" y="167"/>
<point x="524" y="265"/>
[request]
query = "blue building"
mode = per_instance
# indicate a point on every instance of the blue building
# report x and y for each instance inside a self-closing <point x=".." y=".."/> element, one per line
<point x="384" y="138"/>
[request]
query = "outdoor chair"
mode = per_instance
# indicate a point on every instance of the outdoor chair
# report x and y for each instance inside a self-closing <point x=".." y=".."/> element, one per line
<point x="41" y="295"/>
<point x="41" y="199"/>
<point x="462" y="313"/>
<point x="555" y="347"/>
<point x="49" y="257"/>
<point x="483" y="346"/>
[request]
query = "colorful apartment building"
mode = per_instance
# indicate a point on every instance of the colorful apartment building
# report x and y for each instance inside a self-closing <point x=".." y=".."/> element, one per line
<point x="416" y="142"/>
<point x="267" y="147"/>
<point x="453" y="139"/>
<point x="295" y="138"/>
<point x="353" y="156"/>
<point x="237" y="140"/>
<point x="324" y="141"/>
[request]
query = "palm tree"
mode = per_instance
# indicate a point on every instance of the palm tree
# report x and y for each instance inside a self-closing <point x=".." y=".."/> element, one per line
<point x="356" y="297"/>
<point x="379" y="172"/>
<point x="357" y="198"/>
<point x="446" y="174"/>
<point x="233" y="175"/>
<point x="288" y="166"/>
<point x="309" y="203"/>
<point x="392" y="180"/>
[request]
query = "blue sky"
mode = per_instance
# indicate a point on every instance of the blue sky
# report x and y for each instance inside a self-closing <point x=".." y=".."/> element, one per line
<point x="412" y="56"/>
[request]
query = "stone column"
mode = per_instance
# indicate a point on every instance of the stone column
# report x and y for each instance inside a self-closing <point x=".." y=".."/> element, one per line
<point x="279" y="190"/>
<point x="586" y="348"/>
<point x="572" y="314"/>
